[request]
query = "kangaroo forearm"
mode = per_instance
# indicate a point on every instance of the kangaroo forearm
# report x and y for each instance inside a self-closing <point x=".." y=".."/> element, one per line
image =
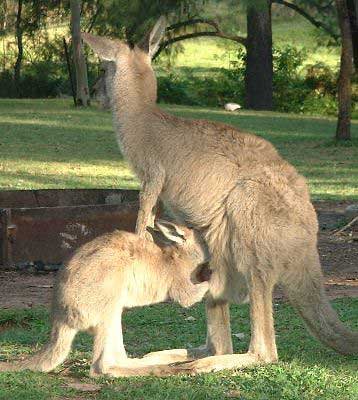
<point x="148" y="200"/>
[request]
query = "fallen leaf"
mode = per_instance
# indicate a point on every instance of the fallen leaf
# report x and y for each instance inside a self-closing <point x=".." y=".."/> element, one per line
<point x="233" y="394"/>
<point x="190" y="318"/>
<point x="42" y="286"/>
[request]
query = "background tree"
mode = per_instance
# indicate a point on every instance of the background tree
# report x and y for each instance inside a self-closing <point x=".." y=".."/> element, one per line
<point x="20" y="49"/>
<point x="343" y="131"/>
<point x="320" y="13"/>
<point x="82" y="91"/>
<point x="259" y="67"/>
<point x="258" y="44"/>
<point x="352" y="6"/>
<point x="23" y="18"/>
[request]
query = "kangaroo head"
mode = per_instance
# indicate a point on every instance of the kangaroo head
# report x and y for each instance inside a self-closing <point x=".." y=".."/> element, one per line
<point x="133" y="63"/>
<point x="187" y="241"/>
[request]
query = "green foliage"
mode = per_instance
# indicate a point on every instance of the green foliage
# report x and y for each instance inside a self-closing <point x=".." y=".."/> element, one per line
<point x="298" y="87"/>
<point x="133" y="19"/>
<point x="193" y="89"/>
<point x="325" y="12"/>
<point x="46" y="75"/>
<point x="289" y="85"/>
<point x="173" y="88"/>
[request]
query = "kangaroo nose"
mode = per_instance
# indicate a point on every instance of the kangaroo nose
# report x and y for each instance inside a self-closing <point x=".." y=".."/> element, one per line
<point x="204" y="273"/>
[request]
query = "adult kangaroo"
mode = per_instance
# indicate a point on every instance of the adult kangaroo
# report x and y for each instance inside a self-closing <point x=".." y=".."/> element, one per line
<point x="252" y="207"/>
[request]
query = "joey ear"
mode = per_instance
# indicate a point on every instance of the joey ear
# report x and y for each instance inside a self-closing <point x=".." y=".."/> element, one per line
<point x="105" y="48"/>
<point x="171" y="231"/>
<point x="151" y="41"/>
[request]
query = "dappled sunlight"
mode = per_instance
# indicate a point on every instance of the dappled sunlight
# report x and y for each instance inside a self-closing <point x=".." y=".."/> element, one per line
<point x="50" y="144"/>
<point x="10" y="122"/>
<point x="53" y="178"/>
<point x="276" y="127"/>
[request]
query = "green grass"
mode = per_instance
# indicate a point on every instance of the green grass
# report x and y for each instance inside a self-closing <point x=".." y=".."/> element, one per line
<point x="50" y="144"/>
<point x="306" y="369"/>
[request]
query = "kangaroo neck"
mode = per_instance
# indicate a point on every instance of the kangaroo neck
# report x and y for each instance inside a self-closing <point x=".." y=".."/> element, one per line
<point x="131" y="106"/>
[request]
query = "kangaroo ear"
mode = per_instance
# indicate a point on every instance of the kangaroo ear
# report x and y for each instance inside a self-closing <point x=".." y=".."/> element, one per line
<point x="105" y="48"/>
<point x="151" y="41"/>
<point x="171" y="231"/>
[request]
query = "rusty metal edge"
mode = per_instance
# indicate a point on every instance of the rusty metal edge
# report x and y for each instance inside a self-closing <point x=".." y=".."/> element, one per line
<point x="63" y="197"/>
<point x="5" y="244"/>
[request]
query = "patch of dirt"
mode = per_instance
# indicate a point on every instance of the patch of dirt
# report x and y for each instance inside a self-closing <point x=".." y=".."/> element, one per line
<point x="339" y="258"/>
<point x="6" y="326"/>
<point x="24" y="290"/>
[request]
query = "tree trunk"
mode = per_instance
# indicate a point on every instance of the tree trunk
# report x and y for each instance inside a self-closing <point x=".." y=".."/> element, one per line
<point x="353" y="17"/>
<point x="20" y="52"/>
<point x="82" y="92"/>
<point x="343" y="131"/>
<point x="3" y="29"/>
<point x="259" y="69"/>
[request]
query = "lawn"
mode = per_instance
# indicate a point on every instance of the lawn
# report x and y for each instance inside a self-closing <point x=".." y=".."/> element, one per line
<point x="50" y="144"/>
<point x="306" y="370"/>
<point x="206" y="54"/>
<point x="210" y="53"/>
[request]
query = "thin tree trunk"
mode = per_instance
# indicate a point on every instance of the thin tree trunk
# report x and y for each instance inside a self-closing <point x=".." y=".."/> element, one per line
<point x="82" y="92"/>
<point x="259" y="68"/>
<point x="3" y="29"/>
<point x="343" y="131"/>
<point x="353" y="17"/>
<point x="20" y="53"/>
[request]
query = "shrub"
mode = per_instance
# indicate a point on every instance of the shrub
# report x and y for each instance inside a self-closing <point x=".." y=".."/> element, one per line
<point x="173" y="89"/>
<point x="297" y="88"/>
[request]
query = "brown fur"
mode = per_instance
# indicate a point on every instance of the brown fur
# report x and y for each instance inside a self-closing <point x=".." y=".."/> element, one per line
<point x="116" y="271"/>
<point x="252" y="207"/>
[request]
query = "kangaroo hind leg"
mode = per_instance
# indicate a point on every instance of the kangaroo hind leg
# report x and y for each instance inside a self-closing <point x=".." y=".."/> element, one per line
<point x="108" y="347"/>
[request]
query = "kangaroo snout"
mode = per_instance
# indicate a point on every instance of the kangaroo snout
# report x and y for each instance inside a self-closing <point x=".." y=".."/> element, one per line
<point x="204" y="273"/>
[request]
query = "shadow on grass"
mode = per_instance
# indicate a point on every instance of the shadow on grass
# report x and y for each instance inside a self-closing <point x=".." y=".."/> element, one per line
<point x="273" y="126"/>
<point x="37" y="179"/>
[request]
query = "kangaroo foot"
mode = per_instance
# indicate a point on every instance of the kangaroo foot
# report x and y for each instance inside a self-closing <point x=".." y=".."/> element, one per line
<point x="214" y="363"/>
<point x="175" y="355"/>
<point x="203" y="365"/>
<point x="217" y="363"/>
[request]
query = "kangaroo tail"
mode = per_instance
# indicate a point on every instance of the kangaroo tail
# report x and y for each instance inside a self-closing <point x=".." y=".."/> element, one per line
<point x="305" y="290"/>
<point x="49" y="356"/>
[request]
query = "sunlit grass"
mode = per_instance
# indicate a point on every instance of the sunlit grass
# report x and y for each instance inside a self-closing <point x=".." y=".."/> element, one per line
<point x="205" y="54"/>
<point x="307" y="370"/>
<point x="50" y="144"/>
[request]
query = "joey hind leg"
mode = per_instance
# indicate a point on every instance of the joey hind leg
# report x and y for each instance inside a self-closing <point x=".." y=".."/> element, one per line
<point x="108" y="347"/>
